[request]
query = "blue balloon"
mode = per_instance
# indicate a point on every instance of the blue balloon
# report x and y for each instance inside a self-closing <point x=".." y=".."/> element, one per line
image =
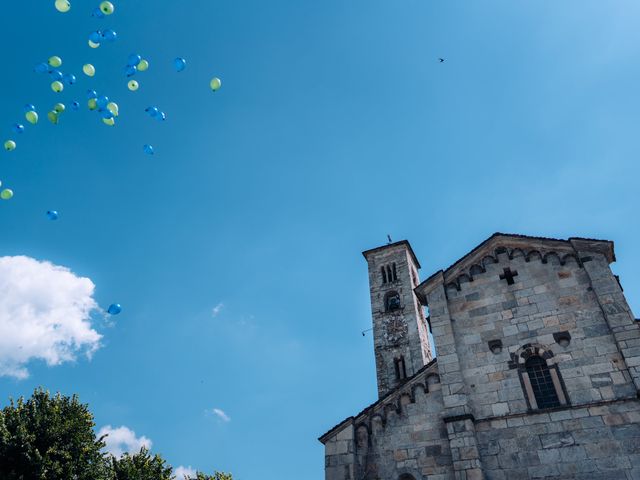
<point x="95" y="37"/>
<point x="29" y="108"/>
<point x="110" y="35"/>
<point x="130" y="71"/>
<point x="161" y="117"/>
<point x="148" y="149"/>
<point x="56" y="75"/>
<point x="106" y="114"/>
<point x="152" y="111"/>
<point x="69" y="78"/>
<point x="42" y="68"/>
<point x="114" y="309"/>
<point x="133" y="60"/>
<point x="18" y="128"/>
<point x="179" y="64"/>
<point x="91" y="94"/>
<point x="97" y="13"/>
<point x="52" y="215"/>
<point x="102" y="101"/>
<point x="75" y="106"/>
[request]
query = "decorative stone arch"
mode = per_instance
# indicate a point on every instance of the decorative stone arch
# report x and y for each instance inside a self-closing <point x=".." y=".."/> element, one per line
<point x="488" y="260"/>
<point x="516" y="252"/>
<point x="537" y="365"/>
<point x="392" y="301"/>
<point x="363" y="437"/>
<point x="553" y="258"/>
<point x="533" y="254"/>
<point x="476" y="270"/>
<point x="408" y="474"/>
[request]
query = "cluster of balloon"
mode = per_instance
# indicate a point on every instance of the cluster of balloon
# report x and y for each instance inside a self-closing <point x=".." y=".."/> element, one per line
<point x="155" y="112"/>
<point x="52" y="215"/>
<point x="59" y="79"/>
<point x="114" y="309"/>
<point x="108" y="110"/>
<point x="54" y="114"/>
<point x="135" y="64"/>
<point x="96" y="38"/>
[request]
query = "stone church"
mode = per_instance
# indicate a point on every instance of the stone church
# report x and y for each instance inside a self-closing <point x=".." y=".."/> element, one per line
<point x="537" y="373"/>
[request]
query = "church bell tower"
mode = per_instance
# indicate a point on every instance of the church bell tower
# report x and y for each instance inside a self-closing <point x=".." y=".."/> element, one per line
<point x="400" y="332"/>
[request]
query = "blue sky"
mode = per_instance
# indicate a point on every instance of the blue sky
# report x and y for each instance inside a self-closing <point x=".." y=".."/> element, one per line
<point x="335" y="125"/>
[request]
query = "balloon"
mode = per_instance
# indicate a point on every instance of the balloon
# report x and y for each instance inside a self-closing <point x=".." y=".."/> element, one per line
<point x="69" y="79"/>
<point x="75" y="106"/>
<point x="32" y="117"/>
<point x="63" y="6"/>
<point x="89" y="70"/>
<point x="93" y="45"/>
<point x="113" y="108"/>
<point x="130" y="71"/>
<point x="56" y="75"/>
<point x="59" y="107"/>
<point x="57" y="86"/>
<point x="179" y="64"/>
<point x="107" y="8"/>
<point x="95" y="37"/>
<point x="143" y="66"/>
<point x="97" y="13"/>
<point x="152" y="111"/>
<point x="133" y="85"/>
<point x="102" y="101"/>
<point x="92" y="94"/>
<point x="110" y="35"/>
<point x="53" y="117"/>
<point x="148" y="149"/>
<point x="41" y="68"/>
<point x="18" y="128"/>
<point x="114" y="309"/>
<point x="6" y="194"/>
<point x="9" y="145"/>
<point x="55" y="62"/>
<point x="109" y="121"/>
<point x="215" y="84"/>
<point x="92" y="104"/>
<point x="52" y="215"/>
<point x="161" y="117"/>
<point x="29" y="108"/>
<point x="133" y="60"/>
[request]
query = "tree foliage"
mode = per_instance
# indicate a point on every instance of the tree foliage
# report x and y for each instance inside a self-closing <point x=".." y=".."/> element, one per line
<point x="53" y="438"/>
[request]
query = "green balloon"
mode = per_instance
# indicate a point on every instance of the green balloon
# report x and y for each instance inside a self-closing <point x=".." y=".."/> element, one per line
<point x="32" y="117"/>
<point x="113" y="108"/>
<point x="55" y="62"/>
<point x="53" y="117"/>
<point x="93" y="45"/>
<point x="92" y="104"/>
<point x="63" y="6"/>
<point x="107" y="8"/>
<point x="57" y="86"/>
<point x="9" y="145"/>
<point x="109" y="121"/>
<point x="215" y="84"/>
<point x="143" y="66"/>
<point x="59" y="107"/>
<point x="6" y="194"/>
<point x="89" y="70"/>
<point x="133" y="85"/>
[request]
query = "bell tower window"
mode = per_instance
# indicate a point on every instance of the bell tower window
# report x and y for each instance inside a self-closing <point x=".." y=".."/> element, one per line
<point x="384" y="275"/>
<point x="401" y="369"/>
<point x="389" y="273"/>
<point x="392" y="301"/>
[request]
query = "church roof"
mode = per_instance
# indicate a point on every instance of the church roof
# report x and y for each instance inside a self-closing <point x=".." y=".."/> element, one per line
<point x="323" y="438"/>
<point x="508" y="243"/>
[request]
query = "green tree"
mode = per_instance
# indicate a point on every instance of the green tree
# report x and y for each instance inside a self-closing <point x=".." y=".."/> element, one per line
<point x="140" y="466"/>
<point x="215" y="476"/>
<point x="49" y="438"/>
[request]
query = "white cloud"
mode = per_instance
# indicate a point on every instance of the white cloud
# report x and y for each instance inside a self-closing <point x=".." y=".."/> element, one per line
<point x="45" y="314"/>
<point x="122" y="439"/>
<point x="217" y="309"/>
<point x="182" y="472"/>
<point x="220" y="414"/>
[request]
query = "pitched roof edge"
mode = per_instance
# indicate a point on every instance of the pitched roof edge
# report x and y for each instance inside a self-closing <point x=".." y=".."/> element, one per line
<point x="324" y="437"/>
<point x="394" y="244"/>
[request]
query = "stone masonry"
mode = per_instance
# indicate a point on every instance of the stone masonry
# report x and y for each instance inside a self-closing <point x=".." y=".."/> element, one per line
<point x="537" y="371"/>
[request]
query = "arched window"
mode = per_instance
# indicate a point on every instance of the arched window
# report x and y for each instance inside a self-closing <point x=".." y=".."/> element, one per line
<point x="384" y="274"/>
<point x="401" y="368"/>
<point x="392" y="301"/>
<point x="544" y="389"/>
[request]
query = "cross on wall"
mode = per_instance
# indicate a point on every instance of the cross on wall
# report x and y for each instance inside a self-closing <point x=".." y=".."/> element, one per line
<point x="508" y="275"/>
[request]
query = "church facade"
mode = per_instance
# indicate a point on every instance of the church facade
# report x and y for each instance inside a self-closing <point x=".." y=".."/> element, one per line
<point x="537" y="372"/>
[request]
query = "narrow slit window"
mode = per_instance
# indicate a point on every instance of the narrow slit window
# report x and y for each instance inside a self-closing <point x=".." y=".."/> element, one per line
<point x="395" y="274"/>
<point x="401" y="369"/>
<point x="384" y="275"/>
<point x="389" y="273"/>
